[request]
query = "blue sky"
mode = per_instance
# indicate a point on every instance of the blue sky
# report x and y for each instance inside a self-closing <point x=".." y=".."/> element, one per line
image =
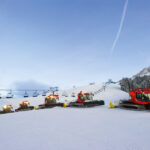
<point x="68" y="42"/>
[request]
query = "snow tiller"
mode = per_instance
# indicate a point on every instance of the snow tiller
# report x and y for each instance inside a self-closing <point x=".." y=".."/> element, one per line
<point x="24" y="106"/>
<point x="86" y="100"/>
<point x="7" y="109"/>
<point x="140" y="100"/>
<point x="51" y="101"/>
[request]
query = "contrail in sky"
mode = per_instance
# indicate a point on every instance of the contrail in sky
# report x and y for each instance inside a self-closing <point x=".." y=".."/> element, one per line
<point x="120" y="26"/>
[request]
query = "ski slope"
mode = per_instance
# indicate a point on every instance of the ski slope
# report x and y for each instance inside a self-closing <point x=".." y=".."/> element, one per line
<point x="112" y="93"/>
<point x="76" y="128"/>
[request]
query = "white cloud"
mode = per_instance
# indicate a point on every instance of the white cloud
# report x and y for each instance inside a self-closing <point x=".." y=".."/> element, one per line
<point x="29" y="85"/>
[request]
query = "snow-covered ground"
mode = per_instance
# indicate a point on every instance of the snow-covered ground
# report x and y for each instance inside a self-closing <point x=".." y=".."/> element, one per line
<point x="76" y="128"/>
<point x="111" y="92"/>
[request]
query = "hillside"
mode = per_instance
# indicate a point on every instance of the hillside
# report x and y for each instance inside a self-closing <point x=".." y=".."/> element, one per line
<point x="76" y="128"/>
<point x="112" y="92"/>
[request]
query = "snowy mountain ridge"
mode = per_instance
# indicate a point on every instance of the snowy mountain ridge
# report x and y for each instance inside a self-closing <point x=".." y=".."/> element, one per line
<point x="143" y="72"/>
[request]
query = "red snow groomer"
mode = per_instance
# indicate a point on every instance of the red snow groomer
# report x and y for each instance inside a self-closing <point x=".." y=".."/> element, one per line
<point x="140" y="99"/>
<point x="50" y="101"/>
<point x="7" y="109"/>
<point x="86" y="100"/>
<point x="24" y="106"/>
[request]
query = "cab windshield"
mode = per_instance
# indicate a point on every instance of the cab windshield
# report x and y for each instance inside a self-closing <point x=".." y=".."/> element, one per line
<point x="88" y="97"/>
<point x="143" y="97"/>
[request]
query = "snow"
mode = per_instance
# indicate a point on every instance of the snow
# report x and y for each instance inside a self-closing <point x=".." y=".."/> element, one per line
<point x="76" y="128"/>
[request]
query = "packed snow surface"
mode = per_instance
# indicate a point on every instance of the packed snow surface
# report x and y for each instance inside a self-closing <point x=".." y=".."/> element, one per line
<point x="76" y="128"/>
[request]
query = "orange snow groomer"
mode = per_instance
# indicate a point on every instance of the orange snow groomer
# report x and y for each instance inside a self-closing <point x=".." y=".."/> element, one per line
<point x="51" y="99"/>
<point x="7" y="108"/>
<point x="24" y="104"/>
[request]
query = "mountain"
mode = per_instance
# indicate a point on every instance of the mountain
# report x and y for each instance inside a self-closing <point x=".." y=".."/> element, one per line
<point x="140" y="80"/>
<point x="142" y="73"/>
